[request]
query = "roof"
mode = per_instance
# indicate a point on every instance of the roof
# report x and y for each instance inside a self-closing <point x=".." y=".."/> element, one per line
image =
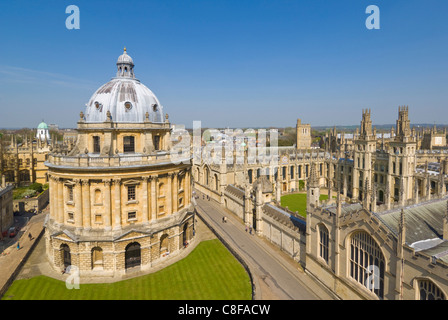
<point x="288" y="219"/>
<point x="423" y="221"/>
<point x="124" y="98"/>
<point x="42" y="125"/>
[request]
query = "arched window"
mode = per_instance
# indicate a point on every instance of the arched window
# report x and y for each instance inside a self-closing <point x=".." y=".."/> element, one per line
<point x="65" y="255"/>
<point x="367" y="263"/>
<point x="98" y="196"/>
<point x="216" y="182"/>
<point x="164" y="244"/>
<point x="323" y="242"/>
<point x="132" y="255"/>
<point x="429" y="291"/>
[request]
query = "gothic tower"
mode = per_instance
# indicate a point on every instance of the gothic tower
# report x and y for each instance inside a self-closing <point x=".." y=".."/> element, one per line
<point x="365" y="147"/>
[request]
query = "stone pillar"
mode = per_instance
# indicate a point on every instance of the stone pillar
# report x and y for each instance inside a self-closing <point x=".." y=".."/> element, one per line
<point x="52" y="190"/>
<point x="145" y="209"/>
<point x="247" y="209"/>
<point x="87" y="221"/>
<point x="175" y="190"/>
<point x="107" y="205"/>
<point x="153" y="197"/>
<point x="60" y="212"/>
<point x="117" y="202"/>
<point x="258" y="211"/>
<point x="169" y="198"/>
<point x="78" y="204"/>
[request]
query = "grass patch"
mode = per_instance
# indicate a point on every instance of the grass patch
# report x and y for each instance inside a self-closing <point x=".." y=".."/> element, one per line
<point x="297" y="202"/>
<point x="209" y="272"/>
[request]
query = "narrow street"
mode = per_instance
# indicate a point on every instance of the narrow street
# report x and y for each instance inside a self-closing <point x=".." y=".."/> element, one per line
<point x="276" y="276"/>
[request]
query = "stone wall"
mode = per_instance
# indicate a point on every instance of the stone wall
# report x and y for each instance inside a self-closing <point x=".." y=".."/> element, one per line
<point x="38" y="203"/>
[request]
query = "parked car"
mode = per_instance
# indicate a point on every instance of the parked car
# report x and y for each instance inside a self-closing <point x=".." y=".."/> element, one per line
<point x="12" y="232"/>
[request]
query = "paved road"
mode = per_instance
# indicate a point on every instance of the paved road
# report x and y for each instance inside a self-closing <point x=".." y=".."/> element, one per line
<point x="276" y="277"/>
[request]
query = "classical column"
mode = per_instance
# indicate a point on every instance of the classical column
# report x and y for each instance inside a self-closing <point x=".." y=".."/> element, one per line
<point x="86" y="203"/>
<point x="144" y="198"/>
<point x="107" y="204"/>
<point x="168" y="197"/>
<point x="60" y="211"/>
<point x="52" y="190"/>
<point x="188" y="187"/>
<point x="78" y="204"/>
<point x="117" y="200"/>
<point x="176" y="192"/>
<point x="153" y="197"/>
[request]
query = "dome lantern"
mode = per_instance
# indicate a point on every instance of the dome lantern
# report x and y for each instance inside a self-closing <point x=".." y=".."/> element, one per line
<point x="125" y="66"/>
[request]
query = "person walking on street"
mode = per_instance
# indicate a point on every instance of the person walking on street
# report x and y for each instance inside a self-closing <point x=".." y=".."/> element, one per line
<point x="30" y="236"/>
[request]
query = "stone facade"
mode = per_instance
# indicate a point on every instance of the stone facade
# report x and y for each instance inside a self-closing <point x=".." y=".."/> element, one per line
<point x="6" y="207"/>
<point x="117" y="201"/>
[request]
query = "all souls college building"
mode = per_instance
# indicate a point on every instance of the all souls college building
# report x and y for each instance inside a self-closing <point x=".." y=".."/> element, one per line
<point x="383" y="233"/>
<point x="117" y="201"/>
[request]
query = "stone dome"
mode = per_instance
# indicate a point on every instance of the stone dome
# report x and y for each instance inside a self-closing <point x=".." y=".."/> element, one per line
<point x="126" y="98"/>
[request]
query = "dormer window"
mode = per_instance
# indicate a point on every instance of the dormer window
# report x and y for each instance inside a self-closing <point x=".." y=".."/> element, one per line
<point x="128" y="106"/>
<point x="98" y="106"/>
<point x="154" y="107"/>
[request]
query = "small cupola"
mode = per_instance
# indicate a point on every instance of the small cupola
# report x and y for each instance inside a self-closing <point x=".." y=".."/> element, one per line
<point x="125" y="66"/>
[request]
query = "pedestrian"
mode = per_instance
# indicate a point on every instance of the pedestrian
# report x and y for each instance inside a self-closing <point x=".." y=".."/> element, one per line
<point x="30" y="236"/>
<point x="250" y="229"/>
<point x="246" y="228"/>
<point x="18" y="246"/>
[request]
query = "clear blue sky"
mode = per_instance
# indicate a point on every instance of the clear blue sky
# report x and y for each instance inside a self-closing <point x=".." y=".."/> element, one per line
<point x="229" y="63"/>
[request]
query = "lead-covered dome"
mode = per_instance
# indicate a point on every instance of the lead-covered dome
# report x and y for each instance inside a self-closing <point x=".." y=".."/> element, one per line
<point x="126" y="98"/>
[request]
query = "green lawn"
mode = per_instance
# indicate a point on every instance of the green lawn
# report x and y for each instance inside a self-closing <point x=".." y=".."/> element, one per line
<point x="297" y="202"/>
<point x="209" y="272"/>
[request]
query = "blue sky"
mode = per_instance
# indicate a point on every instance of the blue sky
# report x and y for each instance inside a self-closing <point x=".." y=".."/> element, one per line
<point x="229" y="63"/>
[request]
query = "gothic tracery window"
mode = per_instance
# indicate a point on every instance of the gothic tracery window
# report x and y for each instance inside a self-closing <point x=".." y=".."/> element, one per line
<point x="429" y="291"/>
<point x="323" y="242"/>
<point x="367" y="263"/>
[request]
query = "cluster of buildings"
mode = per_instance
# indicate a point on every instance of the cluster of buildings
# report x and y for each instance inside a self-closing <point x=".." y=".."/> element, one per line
<point x="119" y="201"/>
<point x="382" y="233"/>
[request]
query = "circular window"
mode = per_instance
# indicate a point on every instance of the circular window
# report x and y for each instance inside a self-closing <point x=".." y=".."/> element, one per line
<point x="98" y="105"/>
<point x="154" y="107"/>
<point x="128" y="106"/>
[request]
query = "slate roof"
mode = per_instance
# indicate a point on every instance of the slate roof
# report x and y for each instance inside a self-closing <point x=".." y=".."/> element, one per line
<point x="423" y="221"/>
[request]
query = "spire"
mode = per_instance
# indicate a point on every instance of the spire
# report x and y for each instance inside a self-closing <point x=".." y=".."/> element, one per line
<point x="402" y="227"/>
<point x="314" y="181"/>
<point x="445" y="223"/>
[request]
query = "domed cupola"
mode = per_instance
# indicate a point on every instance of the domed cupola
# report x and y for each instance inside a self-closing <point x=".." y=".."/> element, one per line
<point x="125" y="66"/>
<point x="124" y="98"/>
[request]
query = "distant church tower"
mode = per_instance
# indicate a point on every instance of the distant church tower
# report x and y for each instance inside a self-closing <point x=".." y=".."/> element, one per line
<point x="303" y="133"/>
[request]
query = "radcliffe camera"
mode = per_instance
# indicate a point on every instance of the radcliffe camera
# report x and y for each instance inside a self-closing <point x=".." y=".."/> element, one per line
<point x="223" y="159"/>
